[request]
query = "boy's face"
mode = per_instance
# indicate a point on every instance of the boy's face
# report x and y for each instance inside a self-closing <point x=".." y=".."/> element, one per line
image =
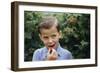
<point x="50" y="37"/>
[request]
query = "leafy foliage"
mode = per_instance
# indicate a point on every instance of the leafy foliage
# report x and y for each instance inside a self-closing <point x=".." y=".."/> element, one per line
<point x="75" y="29"/>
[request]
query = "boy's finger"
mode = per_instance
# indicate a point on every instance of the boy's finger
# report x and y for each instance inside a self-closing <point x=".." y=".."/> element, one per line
<point x="50" y="50"/>
<point x="54" y="52"/>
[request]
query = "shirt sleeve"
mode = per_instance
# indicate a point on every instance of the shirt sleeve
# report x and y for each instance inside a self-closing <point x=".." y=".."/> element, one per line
<point x="36" y="55"/>
<point x="68" y="54"/>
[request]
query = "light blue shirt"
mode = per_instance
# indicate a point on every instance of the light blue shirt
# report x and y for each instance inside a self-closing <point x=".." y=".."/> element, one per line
<point x="41" y="54"/>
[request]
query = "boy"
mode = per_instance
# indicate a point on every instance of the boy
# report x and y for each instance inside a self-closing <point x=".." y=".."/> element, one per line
<point x="49" y="33"/>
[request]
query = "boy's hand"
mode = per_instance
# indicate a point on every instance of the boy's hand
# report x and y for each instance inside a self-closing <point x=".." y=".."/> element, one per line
<point x="52" y="54"/>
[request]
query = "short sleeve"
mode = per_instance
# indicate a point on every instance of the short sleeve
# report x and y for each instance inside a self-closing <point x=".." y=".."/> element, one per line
<point x="36" y="55"/>
<point x="69" y="55"/>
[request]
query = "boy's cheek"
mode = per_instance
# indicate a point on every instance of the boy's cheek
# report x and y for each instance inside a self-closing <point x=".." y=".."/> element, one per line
<point x="43" y="40"/>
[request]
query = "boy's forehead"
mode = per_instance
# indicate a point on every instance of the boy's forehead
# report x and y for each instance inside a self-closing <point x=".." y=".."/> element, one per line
<point x="51" y="30"/>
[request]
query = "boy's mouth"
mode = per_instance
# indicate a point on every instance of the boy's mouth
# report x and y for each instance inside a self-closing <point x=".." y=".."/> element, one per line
<point x="52" y="46"/>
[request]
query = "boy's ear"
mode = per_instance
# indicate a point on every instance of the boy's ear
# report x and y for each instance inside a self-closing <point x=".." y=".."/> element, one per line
<point x="40" y="36"/>
<point x="60" y="34"/>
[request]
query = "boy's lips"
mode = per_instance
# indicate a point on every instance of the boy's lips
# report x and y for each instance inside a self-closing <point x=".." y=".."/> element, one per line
<point x="52" y="46"/>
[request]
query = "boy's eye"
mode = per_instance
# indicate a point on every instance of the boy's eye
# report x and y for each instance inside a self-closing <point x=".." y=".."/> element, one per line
<point x="53" y="35"/>
<point x="45" y="37"/>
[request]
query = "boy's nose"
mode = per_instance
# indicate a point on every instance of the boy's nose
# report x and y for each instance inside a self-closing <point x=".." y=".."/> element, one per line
<point x="50" y="40"/>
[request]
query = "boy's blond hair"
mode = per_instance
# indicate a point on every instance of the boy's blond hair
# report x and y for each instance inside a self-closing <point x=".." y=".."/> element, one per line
<point x="47" y="23"/>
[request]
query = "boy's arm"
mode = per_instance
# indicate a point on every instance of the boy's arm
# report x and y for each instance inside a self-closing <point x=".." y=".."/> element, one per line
<point x="67" y="54"/>
<point x="36" y="56"/>
<point x="70" y="56"/>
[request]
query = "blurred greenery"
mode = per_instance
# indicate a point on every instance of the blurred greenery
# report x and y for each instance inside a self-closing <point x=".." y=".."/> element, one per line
<point x="75" y="29"/>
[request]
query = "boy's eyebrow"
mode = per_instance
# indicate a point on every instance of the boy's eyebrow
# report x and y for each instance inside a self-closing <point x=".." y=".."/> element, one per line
<point x="45" y="36"/>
